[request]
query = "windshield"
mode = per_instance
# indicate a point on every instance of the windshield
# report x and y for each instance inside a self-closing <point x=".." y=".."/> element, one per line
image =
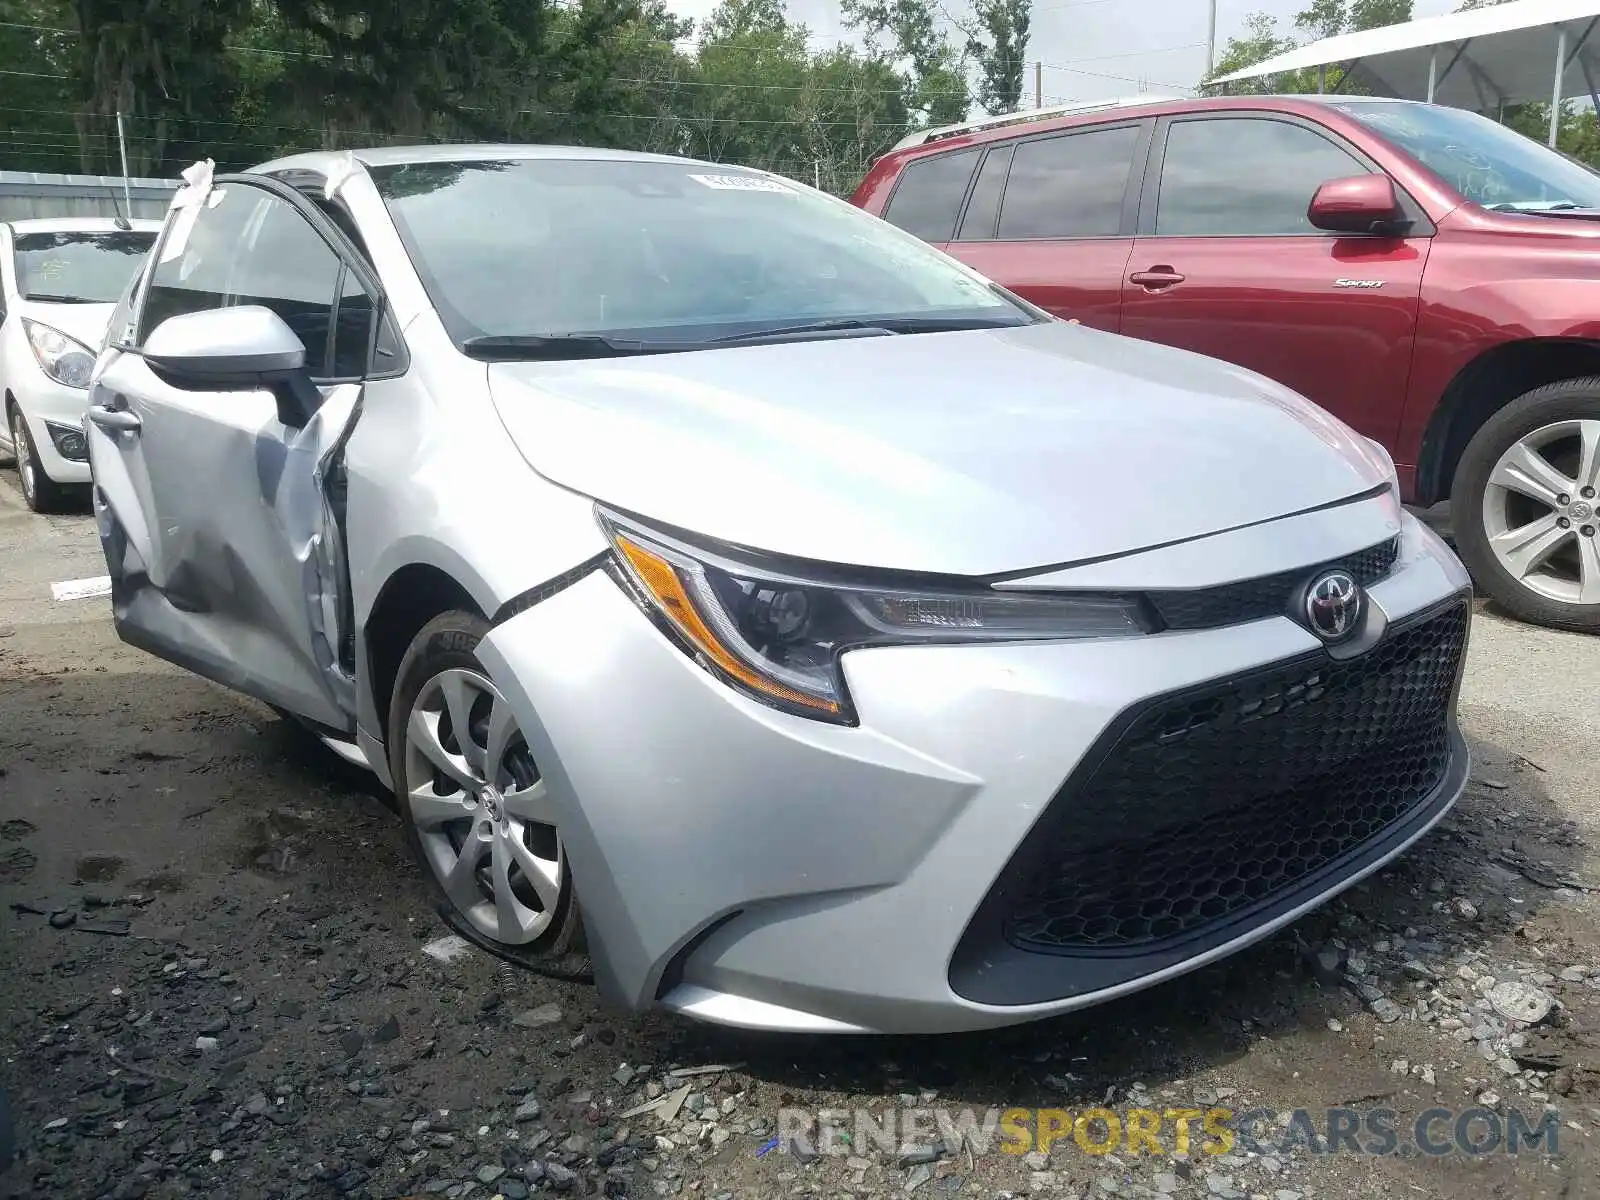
<point x="1486" y="162"/>
<point x="79" y="268"/>
<point x="663" y="252"/>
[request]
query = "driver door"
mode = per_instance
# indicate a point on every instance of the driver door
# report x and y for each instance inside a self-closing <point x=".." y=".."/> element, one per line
<point x="220" y="511"/>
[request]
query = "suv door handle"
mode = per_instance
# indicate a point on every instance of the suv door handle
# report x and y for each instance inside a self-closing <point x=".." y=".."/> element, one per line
<point x="1156" y="278"/>
<point x="113" y="419"/>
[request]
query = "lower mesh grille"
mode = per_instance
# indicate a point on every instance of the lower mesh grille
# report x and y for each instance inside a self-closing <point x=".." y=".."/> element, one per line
<point x="1215" y="800"/>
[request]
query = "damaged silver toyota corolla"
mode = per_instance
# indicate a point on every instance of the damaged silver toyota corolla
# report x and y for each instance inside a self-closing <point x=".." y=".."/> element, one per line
<point x="750" y="604"/>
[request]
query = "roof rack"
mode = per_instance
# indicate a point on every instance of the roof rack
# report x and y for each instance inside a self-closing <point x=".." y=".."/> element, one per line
<point x="923" y="136"/>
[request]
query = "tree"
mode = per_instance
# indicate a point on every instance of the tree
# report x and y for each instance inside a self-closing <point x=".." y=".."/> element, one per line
<point x="934" y="80"/>
<point x="1324" y="19"/>
<point x="997" y="41"/>
<point x="1376" y="14"/>
<point x="241" y="81"/>
<point x="162" y="65"/>
<point x="1260" y="42"/>
<point x="1321" y="19"/>
<point x="39" y="121"/>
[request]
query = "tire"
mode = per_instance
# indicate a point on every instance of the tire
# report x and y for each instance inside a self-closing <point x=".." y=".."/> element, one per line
<point x="41" y="493"/>
<point x="439" y="675"/>
<point x="1536" y="568"/>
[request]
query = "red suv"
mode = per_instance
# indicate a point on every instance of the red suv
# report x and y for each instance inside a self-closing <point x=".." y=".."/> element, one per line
<point x="1424" y="273"/>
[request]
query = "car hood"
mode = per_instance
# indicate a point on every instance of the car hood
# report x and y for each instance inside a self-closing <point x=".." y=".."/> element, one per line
<point x="967" y="453"/>
<point x="85" y="322"/>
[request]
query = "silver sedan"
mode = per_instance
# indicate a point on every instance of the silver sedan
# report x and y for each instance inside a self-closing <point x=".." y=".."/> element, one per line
<point x="754" y="609"/>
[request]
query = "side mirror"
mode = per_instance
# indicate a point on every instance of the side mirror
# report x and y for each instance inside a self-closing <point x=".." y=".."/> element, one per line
<point x="228" y="349"/>
<point x="1359" y="204"/>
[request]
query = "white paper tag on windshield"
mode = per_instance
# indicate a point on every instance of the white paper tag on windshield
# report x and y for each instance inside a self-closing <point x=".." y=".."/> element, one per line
<point x="741" y="183"/>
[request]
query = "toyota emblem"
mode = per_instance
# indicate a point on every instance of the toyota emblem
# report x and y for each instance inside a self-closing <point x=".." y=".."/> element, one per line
<point x="1333" y="605"/>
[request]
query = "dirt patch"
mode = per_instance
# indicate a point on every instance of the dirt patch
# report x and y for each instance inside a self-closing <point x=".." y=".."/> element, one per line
<point x="98" y="868"/>
<point x="168" y="882"/>
<point x="16" y="862"/>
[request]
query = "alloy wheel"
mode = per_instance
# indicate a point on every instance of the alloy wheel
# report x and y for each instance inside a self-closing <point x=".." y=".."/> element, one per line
<point x="481" y="810"/>
<point x="24" y="455"/>
<point x="1540" y="511"/>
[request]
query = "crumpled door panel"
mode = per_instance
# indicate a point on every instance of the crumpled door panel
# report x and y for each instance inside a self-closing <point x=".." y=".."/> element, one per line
<point x="224" y="555"/>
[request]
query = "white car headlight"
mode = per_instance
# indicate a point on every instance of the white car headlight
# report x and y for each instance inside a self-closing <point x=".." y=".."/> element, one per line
<point x="64" y="359"/>
<point x="778" y="637"/>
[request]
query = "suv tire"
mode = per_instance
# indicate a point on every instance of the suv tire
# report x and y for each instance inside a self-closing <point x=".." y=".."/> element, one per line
<point x="441" y="675"/>
<point x="1532" y="555"/>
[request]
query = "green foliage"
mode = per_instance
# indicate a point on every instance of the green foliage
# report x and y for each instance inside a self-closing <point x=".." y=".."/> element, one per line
<point x="932" y="73"/>
<point x="242" y="81"/>
<point x="1259" y="42"/>
<point x="1579" y="133"/>
<point x="1320" y="19"/>
<point x="997" y="41"/>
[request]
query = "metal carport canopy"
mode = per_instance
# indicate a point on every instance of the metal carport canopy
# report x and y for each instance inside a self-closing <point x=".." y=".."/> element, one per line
<point x="1480" y="60"/>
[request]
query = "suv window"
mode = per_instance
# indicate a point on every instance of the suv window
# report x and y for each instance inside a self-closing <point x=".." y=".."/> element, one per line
<point x="929" y="195"/>
<point x="1069" y="186"/>
<point x="252" y="247"/>
<point x="1243" y="177"/>
<point x="983" y="210"/>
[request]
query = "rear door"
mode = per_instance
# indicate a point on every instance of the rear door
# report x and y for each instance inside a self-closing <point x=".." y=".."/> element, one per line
<point x="1052" y="218"/>
<point x="219" y="521"/>
<point x="1227" y="264"/>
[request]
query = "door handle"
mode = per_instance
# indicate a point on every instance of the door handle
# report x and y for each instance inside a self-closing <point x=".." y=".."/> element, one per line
<point x="1156" y="278"/>
<point x="115" y="420"/>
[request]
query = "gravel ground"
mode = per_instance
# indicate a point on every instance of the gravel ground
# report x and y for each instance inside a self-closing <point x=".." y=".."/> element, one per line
<point x="220" y="980"/>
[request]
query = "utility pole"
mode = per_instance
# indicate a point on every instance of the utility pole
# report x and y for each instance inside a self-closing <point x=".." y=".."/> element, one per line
<point x="1211" y="40"/>
<point x="122" y="149"/>
<point x="1038" y="85"/>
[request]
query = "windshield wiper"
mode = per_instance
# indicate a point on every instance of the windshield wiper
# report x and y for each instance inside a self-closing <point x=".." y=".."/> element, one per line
<point x="868" y="326"/>
<point x="49" y="299"/>
<point x="534" y="347"/>
<point x="1512" y="206"/>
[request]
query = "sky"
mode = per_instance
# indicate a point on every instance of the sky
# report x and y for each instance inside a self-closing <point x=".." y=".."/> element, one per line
<point x="1099" y="49"/>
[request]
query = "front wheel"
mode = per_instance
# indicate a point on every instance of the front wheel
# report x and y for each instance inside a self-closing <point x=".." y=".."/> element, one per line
<point x="41" y="493"/>
<point x="476" y="810"/>
<point x="1525" y="506"/>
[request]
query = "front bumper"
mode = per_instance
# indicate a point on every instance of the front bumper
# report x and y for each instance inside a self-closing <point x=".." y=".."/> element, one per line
<point x="44" y="403"/>
<point x="763" y="870"/>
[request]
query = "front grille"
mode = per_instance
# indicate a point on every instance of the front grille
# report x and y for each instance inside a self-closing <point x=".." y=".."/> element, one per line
<point x="1268" y="595"/>
<point x="1216" y="800"/>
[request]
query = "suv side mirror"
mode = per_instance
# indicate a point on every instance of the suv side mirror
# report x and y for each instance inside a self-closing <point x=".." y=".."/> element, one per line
<point x="1359" y="204"/>
<point x="229" y="349"/>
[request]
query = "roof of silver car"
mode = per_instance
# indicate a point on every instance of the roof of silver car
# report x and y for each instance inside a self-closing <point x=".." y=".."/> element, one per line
<point x="392" y="156"/>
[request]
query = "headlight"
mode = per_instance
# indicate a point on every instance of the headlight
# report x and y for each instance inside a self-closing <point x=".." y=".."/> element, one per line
<point x="64" y="359"/>
<point x="778" y="637"/>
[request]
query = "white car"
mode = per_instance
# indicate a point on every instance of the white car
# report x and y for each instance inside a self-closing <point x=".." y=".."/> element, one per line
<point x="62" y="278"/>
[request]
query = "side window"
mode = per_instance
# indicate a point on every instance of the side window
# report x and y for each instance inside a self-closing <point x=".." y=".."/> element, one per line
<point x="1245" y="176"/>
<point x="353" y="333"/>
<point x="197" y="279"/>
<point x="983" y="210"/>
<point x="1069" y="186"/>
<point x="929" y="195"/>
<point x="287" y="267"/>
<point x="120" y="330"/>
<point x="252" y="247"/>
